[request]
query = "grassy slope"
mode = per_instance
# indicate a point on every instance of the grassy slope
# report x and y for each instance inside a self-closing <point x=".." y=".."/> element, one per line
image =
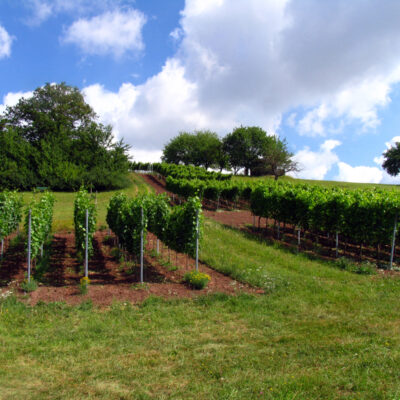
<point x="64" y="206"/>
<point x="318" y="333"/>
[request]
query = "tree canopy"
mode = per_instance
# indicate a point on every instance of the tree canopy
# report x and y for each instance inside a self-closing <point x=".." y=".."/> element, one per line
<point x="201" y="148"/>
<point x="53" y="139"/>
<point x="392" y="160"/>
<point x="245" y="147"/>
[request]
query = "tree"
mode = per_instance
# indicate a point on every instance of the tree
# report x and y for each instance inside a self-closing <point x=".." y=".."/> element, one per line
<point x="245" y="146"/>
<point x="392" y="160"/>
<point x="278" y="158"/>
<point x="62" y="143"/>
<point x="201" y="148"/>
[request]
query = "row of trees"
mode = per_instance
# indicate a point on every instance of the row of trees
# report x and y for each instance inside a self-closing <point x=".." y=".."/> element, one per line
<point x="248" y="148"/>
<point x="53" y="139"/>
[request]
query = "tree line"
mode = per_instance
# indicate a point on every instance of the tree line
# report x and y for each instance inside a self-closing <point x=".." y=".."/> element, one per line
<point x="248" y="148"/>
<point x="53" y="139"/>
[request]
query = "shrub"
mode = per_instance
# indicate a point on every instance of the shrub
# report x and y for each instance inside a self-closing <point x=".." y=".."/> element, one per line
<point x="197" y="280"/>
<point x="84" y="285"/>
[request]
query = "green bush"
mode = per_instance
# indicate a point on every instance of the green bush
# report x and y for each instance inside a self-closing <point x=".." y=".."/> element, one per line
<point x="197" y="280"/>
<point x="29" y="286"/>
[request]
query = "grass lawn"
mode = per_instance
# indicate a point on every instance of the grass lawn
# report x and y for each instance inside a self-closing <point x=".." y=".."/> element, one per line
<point x="63" y="217"/>
<point x="317" y="333"/>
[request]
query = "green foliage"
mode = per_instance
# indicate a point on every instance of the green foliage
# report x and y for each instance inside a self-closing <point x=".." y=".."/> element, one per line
<point x="29" y="286"/>
<point x="83" y="202"/>
<point x="176" y="227"/>
<point x="201" y="148"/>
<point x="197" y="280"/>
<point x="392" y="160"/>
<point x="53" y="140"/>
<point x="41" y="221"/>
<point x="10" y="212"/>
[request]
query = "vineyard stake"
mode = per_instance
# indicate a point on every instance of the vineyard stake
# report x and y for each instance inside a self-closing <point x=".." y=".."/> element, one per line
<point x="337" y="244"/>
<point x="298" y="240"/>
<point x="393" y="242"/>
<point x="87" y="245"/>
<point x="41" y="250"/>
<point x="29" y="244"/>
<point x="279" y="227"/>
<point x="2" y="248"/>
<point x="197" y="241"/>
<point x="158" y="246"/>
<point x="141" y="247"/>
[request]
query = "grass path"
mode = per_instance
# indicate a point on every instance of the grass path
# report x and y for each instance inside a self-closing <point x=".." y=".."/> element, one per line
<point x="64" y="206"/>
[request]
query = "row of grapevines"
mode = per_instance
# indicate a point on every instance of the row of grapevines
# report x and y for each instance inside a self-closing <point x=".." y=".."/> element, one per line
<point x="83" y="202"/>
<point x="188" y="172"/>
<point x="211" y="190"/>
<point x="177" y="227"/>
<point x="41" y="221"/>
<point x="365" y="216"/>
<point x="10" y="213"/>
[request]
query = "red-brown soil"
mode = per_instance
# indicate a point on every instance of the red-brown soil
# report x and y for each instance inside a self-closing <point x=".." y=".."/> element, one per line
<point x="110" y="279"/>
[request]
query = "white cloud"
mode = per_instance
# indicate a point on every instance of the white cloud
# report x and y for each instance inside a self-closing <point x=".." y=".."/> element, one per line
<point x="114" y="33"/>
<point x="41" y="10"/>
<point x="148" y="115"/>
<point x="361" y="174"/>
<point x="316" y="164"/>
<point x="11" y="99"/>
<point x="5" y="43"/>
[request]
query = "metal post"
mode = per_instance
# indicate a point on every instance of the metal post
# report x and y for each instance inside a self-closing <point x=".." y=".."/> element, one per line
<point x="2" y="248"/>
<point x="141" y="248"/>
<point x="279" y="228"/>
<point x="29" y="244"/>
<point x="254" y="221"/>
<point x="41" y="251"/>
<point x="298" y="239"/>
<point x="337" y="244"/>
<point x="87" y="245"/>
<point x="158" y="246"/>
<point x="197" y="241"/>
<point x="393" y="242"/>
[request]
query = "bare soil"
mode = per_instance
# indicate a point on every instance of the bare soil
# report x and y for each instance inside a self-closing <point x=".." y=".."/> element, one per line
<point x="111" y="279"/>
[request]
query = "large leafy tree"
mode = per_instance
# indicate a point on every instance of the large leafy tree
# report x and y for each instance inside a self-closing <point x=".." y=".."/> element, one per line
<point x="201" y="148"/>
<point x="62" y="142"/>
<point x="391" y="161"/>
<point x="245" y="146"/>
<point x="277" y="160"/>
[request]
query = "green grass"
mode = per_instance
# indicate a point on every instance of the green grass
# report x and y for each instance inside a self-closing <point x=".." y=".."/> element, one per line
<point x="63" y="216"/>
<point x="318" y="333"/>
<point x="348" y="185"/>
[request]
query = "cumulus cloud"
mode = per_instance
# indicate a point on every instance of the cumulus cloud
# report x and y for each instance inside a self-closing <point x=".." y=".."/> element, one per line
<point x="5" y="43"/>
<point x="12" y="98"/>
<point x="361" y="174"/>
<point x="316" y="164"/>
<point x="114" y="33"/>
<point x="148" y="115"/>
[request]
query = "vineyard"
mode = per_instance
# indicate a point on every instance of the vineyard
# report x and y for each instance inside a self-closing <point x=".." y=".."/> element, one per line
<point x="359" y="217"/>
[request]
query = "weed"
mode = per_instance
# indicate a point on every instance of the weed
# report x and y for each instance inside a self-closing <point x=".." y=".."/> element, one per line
<point x="197" y="280"/>
<point x="29" y="286"/>
<point x="140" y="286"/>
<point x="84" y="285"/>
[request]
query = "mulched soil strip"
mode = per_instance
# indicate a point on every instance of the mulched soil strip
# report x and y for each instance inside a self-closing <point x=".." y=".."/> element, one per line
<point x="243" y="220"/>
<point x="114" y="281"/>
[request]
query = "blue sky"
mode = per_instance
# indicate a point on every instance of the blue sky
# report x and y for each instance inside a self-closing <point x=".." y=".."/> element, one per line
<point x="325" y="75"/>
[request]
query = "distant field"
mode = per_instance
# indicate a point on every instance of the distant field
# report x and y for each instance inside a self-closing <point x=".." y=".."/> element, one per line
<point x="64" y="205"/>
<point x="349" y="185"/>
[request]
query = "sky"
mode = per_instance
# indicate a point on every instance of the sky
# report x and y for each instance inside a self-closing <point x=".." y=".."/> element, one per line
<point x="324" y="75"/>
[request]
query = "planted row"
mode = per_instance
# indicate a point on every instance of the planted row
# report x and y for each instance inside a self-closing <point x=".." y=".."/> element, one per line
<point x="188" y="172"/>
<point x="10" y="213"/>
<point x="40" y="214"/>
<point x="364" y="216"/>
<point x="84" y="203"/>
<point x="177" y="227"/>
